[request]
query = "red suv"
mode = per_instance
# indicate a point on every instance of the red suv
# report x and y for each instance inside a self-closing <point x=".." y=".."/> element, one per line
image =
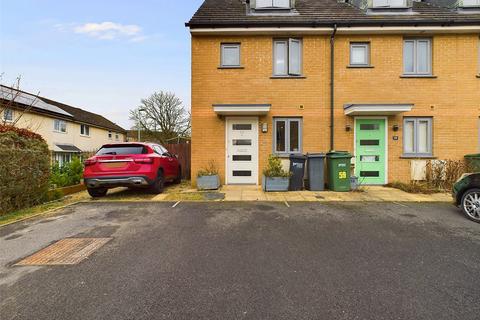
<point x="142" y="165"/>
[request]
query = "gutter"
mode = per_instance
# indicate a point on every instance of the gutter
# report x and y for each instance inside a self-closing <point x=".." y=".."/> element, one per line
<point x="332" y="87"/>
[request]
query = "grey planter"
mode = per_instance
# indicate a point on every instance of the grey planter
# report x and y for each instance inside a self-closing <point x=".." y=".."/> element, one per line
<point x="208" y="182"/>
<point x="275" y="184"/>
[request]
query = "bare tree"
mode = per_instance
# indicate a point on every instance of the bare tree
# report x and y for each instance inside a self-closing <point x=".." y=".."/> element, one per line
<point x="162" y="116"/>
<point x="9" y="98"/>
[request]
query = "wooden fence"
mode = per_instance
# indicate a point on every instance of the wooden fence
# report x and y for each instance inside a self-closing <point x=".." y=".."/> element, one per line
<point x="184" y="152"/>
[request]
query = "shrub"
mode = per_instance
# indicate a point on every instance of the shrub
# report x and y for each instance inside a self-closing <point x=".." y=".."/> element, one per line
<point x="274" y="168"/>
<point x="69" y="174"/>
<point x="210" y="170"/>
<point x="442" y="174"/>
<point x="24" y="169"/>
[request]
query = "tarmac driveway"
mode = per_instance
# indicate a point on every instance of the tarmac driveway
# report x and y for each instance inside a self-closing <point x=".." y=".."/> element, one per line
<point x="248" y="261"/>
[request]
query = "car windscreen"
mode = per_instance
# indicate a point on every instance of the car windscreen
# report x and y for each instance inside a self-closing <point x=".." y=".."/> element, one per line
<point x="121" y="150"/>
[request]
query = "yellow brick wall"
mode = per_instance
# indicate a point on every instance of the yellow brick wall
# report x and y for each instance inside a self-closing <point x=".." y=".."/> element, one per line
<point x="453" y="98"/>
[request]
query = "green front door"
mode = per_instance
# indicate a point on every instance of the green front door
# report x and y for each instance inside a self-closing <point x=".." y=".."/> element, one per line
<point x="370" y="157"/>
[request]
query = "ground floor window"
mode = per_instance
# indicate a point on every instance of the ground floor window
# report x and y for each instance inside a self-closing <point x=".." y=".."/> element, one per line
<point x="62" y="158"/>
<point x="417" y="137"/>
<point x="287" y="135"/>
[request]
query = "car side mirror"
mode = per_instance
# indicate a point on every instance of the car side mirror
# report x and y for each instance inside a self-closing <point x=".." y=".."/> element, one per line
<point x="175" y="156"/>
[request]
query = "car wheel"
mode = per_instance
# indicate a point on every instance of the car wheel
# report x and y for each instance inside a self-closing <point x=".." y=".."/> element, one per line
<point x="157" y="186"/>
<point x="178" y="179"/>
<point x="97" y="192"/>
<point x="471" y="204"/>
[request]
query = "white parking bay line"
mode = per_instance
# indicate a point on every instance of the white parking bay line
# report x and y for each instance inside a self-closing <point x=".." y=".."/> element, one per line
<point x="286" y="203"/>
<point x="176" y="204"/>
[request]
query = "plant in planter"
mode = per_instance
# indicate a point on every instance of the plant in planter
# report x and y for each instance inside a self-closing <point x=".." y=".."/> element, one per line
<point x="208" y="178"/>
<point x="275" y="178"/>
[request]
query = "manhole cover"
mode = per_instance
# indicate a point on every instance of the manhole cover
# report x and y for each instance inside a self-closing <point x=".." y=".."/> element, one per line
<point x="65" y="252"/>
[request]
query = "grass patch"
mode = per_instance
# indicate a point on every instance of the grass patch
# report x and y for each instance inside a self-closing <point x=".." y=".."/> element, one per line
<point x="414" y="187"/>
<point x="42" y="208"/>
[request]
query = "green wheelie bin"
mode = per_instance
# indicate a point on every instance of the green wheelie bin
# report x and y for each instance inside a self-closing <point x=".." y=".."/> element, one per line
<point x="338" y="166"/>
<point x="473" y="162"/>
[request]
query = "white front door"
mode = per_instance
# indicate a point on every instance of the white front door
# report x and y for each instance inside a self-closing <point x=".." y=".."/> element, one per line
<point x="242" y="150"/>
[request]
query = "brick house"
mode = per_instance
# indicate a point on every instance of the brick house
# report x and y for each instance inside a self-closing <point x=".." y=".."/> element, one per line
<point x="395" y="82"/>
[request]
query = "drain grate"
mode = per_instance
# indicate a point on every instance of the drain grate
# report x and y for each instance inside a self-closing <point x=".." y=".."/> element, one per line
<point x="65" y="252"/>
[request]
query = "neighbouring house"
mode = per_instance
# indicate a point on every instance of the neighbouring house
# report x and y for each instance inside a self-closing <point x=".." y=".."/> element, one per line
<point x="394" y="82"/>
<point x="69" y="131"/>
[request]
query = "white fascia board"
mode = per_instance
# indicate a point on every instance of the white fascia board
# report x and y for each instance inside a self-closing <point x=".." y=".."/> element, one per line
<point x="341" y="30"/>
<point x="358" y="110"/>
<point x="241" y="110"/>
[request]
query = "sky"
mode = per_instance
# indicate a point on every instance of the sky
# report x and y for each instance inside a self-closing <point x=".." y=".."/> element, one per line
<point x="99" y="55"/>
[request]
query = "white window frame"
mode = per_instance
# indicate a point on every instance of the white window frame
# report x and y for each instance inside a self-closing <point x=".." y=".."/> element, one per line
<point x="415" y="152"/>
<point x="289" y="67"/>
<point x="473" y="4"/>
<point x="386" y="4"/>
<point x="415" y="42"/>
<point x="8" y="115"/>
<point x="117" y="137"/>
<point x="110" y="135"/>
<point x="287" y="121"/>
<point x="366" y="46"/>
<point x="273" y="4"/>
<point x="223" y="46"/>
<point x="85" y="130"/>
<point x="62" y="126"/>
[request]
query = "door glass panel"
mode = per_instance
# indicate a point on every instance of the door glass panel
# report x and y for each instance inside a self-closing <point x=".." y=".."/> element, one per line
<point x="242" y="158"/>
<point x="242" y="173"/>
<point x="294" y="134"/>
<point x="280" y="138"/>
<point x="369" y="126"/>
<point x="423" y="137"/>
<point x="242" y="142"/>
<point x="369" y="142"/>
<point x="367" y="174"/>
<point x="240" y="126"/>
<point x="369" y="158"/>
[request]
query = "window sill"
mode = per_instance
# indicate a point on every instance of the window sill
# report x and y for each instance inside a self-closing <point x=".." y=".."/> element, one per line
<point x="418" y="157"/>
<point x="288" y="77"/>
<point x="360" y="67"/>
<point x="59" y="132"/>
<point x="230" y="67"/>
<point x="84" y="136"/>
<point x="284" y="155"/>
<point x="428" y="76"/>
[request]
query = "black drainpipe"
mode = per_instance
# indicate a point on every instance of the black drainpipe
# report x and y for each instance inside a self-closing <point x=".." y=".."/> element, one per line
<point x="332" y="87"/>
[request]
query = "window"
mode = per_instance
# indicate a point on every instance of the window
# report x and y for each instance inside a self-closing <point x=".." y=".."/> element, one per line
<point x="417" y="57"/>
<point x="359" y="54"/>
<point x="389" y="4"/>
<point x="230" y="56"/>
<point x="417" y="137"/>
<point x="122" y="150"/>
<point x="272" y="4"/>
<point x="110" y="135"/>
<point x="117" y="137"/>
<point x="84" y="130"/>
<point x="470" y="3"/>
<point x="287" y="57"/>
<point x="8" y="115"/>
<point x="287" y="135"/>
<point x="59" y="126"/>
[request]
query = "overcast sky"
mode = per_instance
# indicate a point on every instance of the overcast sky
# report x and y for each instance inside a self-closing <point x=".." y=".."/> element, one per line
<point x="99" y="55"/>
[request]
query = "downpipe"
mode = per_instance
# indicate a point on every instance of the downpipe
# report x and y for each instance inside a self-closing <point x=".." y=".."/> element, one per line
<point x="332" y="87"/>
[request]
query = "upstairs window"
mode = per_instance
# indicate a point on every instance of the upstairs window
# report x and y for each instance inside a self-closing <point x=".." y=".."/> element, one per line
<point x="8" y="115"/>
<point x="230" y="55"/>
<point x="59" y="126"/>
<point x="417" y="57"/>
<point x="359" y="54"/>
<point x="287" y="57"/>
<point x="84" y="130"/>
<point x="470" y="3"/>
<point x="389" y="4"/>
<point x="109" y="135"/>
<point x="272" y="4"/>
<point x="117" y="137"/>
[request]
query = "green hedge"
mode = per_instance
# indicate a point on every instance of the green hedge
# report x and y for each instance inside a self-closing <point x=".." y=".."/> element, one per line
<point x="24" y="171"/>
